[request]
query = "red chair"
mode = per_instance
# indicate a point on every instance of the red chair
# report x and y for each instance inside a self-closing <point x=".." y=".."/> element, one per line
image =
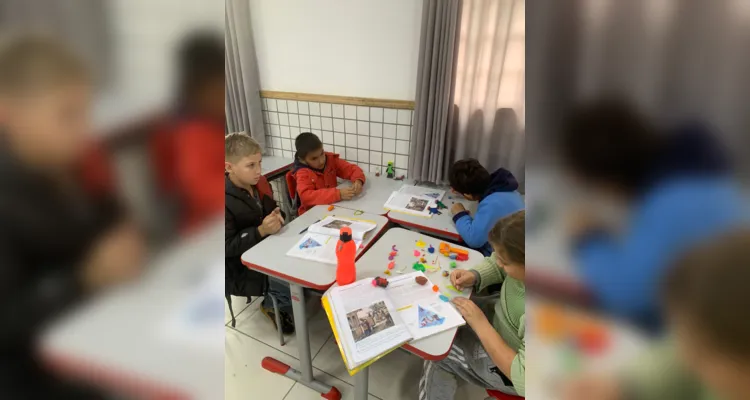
<point x="494" y="394"/>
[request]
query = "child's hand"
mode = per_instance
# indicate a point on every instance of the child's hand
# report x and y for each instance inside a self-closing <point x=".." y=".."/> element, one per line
<point x="117" y="257"/>
<point x="357" y="187"/>
<point x="593" y="388"/>
<point x="461" y="278"/>
<point x="277" y="213"/>
<point x="271" y="224"/>
<point x="347" y="193"/>
<point x="457" y="208"/>
<point x="470" y="311"/>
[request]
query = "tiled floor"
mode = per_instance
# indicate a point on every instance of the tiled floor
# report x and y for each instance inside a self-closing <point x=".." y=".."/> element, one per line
<point x="395" y="377"/>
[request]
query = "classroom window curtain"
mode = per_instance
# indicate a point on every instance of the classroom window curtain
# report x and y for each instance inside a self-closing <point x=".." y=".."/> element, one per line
<point x="243" y="103"/>
<point x="481" y="79"/>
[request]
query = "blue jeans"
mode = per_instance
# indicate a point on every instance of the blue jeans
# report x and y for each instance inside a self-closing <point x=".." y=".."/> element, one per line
<point x="279" y="290"/>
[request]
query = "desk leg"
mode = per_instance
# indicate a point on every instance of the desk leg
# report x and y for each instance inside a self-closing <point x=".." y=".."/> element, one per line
<point x="361" y="383"/>
<point x="305" y="375"/>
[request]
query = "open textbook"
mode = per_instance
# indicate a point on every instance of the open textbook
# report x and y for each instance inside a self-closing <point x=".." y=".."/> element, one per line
<point x="436" y="194"/>
<point x="370" y="321"/>
<point x="319" y="243"/>
<point x="414" y="200"/>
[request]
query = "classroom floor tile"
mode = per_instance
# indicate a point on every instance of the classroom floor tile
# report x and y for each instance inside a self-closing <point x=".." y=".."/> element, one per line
<point x="238" y="306"/>
<point x="302" y="392"/>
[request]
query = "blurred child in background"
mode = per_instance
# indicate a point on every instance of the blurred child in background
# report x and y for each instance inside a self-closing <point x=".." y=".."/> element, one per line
<point x="492" y="354"/>
<point x="57" y="245"/>
<point x="497" y="196"/>
<point x="676" y="187"/>
<point x="707" y="353"/>
<point x="250" y="216"/>
<point x="315" y="172"/>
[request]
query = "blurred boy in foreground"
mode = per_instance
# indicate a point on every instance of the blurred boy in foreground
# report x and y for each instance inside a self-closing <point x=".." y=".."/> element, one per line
<point x="708" y="356"/>
<point x="57" y="245"/>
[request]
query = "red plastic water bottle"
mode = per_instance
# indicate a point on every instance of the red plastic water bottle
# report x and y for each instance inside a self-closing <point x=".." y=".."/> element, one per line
<point x="346" y="251"/>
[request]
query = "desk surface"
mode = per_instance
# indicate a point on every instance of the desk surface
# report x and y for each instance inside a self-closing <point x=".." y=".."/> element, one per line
<point x="375" y="262"/>
<point x="441" y="225"/>
<point x="376" y="192"/>
<point x="272" y="165"/>
<point x="270" y="256"/>
<point x="120" y="340"/>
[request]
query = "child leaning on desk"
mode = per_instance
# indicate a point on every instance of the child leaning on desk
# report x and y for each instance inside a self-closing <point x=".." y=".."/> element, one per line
<point x="250" y="215"/>
<point x="492" y="353"/>
<point x="497" y="196"/>
<point x="315" y="172"/>
<point x="707" y="353"/>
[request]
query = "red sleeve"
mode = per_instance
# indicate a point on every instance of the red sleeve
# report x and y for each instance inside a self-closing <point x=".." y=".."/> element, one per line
<point x="199" y="164"/>
<point x="349" y="171"/>
<point x="309" y="196"/>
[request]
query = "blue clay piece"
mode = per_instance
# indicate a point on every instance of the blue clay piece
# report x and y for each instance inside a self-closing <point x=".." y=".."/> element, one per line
<point x="453" y="256"/>
<point x="443" y="298"/>
<point x="431" y="249"/>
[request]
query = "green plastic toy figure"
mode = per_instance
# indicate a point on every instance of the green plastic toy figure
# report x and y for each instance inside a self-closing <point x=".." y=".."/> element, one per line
<point x="389" y="170"/>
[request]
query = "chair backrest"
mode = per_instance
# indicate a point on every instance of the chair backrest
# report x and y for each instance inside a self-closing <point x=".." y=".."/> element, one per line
<point x="291" y="186"/>
<point x="503" y="396"/>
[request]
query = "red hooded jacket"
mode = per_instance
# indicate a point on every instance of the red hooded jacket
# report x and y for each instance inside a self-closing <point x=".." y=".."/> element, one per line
<point x="316" y="187"/>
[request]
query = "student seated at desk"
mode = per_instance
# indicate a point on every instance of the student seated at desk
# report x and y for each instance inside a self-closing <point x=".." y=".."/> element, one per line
<point x="58" y="243"/>
<point x="706" y="355"/>
<point x="315" y="171"/>
<point x="496" y="194"/>
<point x="492" y="353"/>
<point x="250" y="216"/>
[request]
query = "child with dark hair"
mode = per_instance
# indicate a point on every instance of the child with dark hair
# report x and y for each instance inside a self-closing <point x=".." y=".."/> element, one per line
<point x="675" y="185"/>
<point x="707" y="352"/>
<point x="315" y="172"/>
<point x="496" y="194"/>
<point x="492" y="353"/>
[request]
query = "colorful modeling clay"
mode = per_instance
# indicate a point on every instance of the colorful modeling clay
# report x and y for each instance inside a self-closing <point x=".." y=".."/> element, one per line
<point x="331" y="207"/>
<point x="435" y="288"/>
<point x="444" y="298"/>
<point x="391" y="265"/>
<point x="445" y="274"/>
<point x="420" y="244"/>
<point x="431" y="249"/>
<point x="421" y="280"/>
<point x="394" y="248"/>
<point x="417" y="253"/>
<point x="393" y="253"/>
<point x="422" y="260"/>
<point x="387" y="272"/>
<point x="390" y="258"/>
<point x="418" y="267"/>
<point x="382" y="282"/>
<point x="453" y="264"/>
<point x="453" y="256"/>
<point x="462" y="257"/>
<point x="453" y="288"/>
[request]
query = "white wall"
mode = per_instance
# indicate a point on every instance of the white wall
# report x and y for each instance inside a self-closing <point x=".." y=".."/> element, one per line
<point x="363" y="48"/>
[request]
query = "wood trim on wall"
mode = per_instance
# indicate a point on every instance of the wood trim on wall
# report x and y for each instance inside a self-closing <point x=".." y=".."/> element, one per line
<point x="327" y="98"/>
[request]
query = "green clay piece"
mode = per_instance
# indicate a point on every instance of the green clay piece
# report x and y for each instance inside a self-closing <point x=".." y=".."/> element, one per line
<point x="453" y="264"/>
<point x="453" y="288"/>
<point x="418" y="267"/>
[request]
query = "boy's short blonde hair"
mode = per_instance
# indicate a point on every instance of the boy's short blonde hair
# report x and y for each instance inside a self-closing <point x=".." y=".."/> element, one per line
<point x="238" y="145"/>
<point x="29" y="63"/>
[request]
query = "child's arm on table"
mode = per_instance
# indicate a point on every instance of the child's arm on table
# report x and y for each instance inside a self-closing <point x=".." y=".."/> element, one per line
<point x="488" y="273"/>
<point x="474" y="230"/>
<point x="309" y="196"/>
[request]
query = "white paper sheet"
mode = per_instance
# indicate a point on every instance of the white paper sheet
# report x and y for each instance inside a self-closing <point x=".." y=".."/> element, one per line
<point x="410" y="204"/>
<point x="422" y="191"/>
<point x="317" y="247"/>
<point x="330" y="226"/>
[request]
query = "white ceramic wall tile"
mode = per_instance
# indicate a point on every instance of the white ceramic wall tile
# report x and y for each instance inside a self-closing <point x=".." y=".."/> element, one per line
<point x="281" y="105"/>
<point x="351" y="154"/>
<point x="273" y="117"/>
<point x="314" y="108"/>
<point x="317" y="132"/>
<point x="350" y="112"/>
<point x="338" y="110"/>
<point x="376" y="114"/>
<point x="363" y="142"/>
<point x="389" y="145"/>
<point x="325" y="109"/>
<point x="304" y="121"/>
<point x="328" y="137"/>
<point x="339" y="139"/>
<point x="339" y="150"/>
<point x="389" y="131"/>
<point x="326" y="123"/>
<point x="375" y="168"/>
<point x="303" y="107"/>
<point x="402" y="161"/>
<point x="363" y="128"/>
<point x="286" y="144"/>
<point x="271" y="104"/>
<point x="388" y="157"/>
<point x="376" y="157"/>
<point x="294" y="131"/>
<point x="350" y="126"/>
<point x="390" y="116"/>
<point x="376" y="143"/>
<point x="402" y="147"/>
<point x="285" y="132"/>
<point x="404" y="117"/>
<point x="315" y="123"/>
<point x="363" y="156"/>
<point x="288" y="154"/>
<point x="277" y="142"/>
<point x="291" y="107"/>
<point x="275" y="130"/>
<point x="283" y="118"/>
<point x="293" y="119"/>
<point x="351" y="140"/>
<point x="363" y="113"/>
<point x="403" y="132"/>
<point x="376" y="129"/>
<point x="338" y="125"/>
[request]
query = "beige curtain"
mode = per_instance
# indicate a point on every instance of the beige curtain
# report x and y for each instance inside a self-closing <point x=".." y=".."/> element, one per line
<point x="490" y="92"/>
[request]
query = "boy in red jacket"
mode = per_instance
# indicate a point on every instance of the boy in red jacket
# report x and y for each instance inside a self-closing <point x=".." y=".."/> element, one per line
<point x="315" y="172"/>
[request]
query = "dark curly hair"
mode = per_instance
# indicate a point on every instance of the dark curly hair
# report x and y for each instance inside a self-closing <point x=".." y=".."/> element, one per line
<point x="469" y="177"/>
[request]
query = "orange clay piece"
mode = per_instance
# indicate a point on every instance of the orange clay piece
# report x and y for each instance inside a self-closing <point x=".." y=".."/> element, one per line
<point x="445" y="249"/>
<point x="331" y="207"/>
<point x="391" y="265"/>
<point x="435" y="288"/>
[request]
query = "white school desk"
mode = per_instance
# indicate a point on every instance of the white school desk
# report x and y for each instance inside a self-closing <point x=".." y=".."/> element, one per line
<point x="273" y="166"/>
<point x="376" y="192"/>
<point x="269" y="257"/>
<point x="375" y="262"/>
<point x="441" y="225"/>
<point x="119" y="342"/>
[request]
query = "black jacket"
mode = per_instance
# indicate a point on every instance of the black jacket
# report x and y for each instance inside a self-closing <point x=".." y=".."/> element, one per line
<point x="45" y="234"/>
<point x="242" y="218"/>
